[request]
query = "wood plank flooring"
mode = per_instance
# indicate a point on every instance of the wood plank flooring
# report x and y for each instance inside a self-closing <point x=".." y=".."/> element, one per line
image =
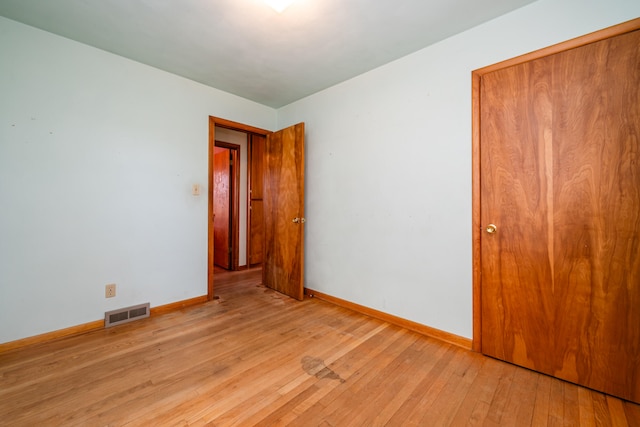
<point x="255" y="357"/>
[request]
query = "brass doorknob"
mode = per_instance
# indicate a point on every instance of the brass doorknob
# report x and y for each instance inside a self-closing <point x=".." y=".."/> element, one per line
<point x="491" y="228"/>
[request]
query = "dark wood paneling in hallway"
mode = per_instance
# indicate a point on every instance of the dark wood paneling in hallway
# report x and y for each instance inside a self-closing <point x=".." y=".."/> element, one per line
<point x="257" y="357"/>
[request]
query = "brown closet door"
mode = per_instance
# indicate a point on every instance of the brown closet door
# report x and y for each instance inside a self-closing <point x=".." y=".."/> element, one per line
<point x="560" y="179"/>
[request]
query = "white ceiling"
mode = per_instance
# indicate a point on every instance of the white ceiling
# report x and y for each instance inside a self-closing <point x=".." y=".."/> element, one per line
<point x="245" y="48"/>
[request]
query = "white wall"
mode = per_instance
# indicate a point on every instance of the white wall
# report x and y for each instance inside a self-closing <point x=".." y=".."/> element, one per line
<point x="388" y="156"/>
<point x="97" y="158"/>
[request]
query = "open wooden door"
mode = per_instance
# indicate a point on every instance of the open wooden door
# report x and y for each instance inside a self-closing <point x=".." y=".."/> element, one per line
<point x="283" y="203"/>
<point x="558" y="225"/>
<point x="222" y="207"/>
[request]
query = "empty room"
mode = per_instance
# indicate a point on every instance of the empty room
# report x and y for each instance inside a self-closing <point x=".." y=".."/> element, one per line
<point x="320" y="212"/>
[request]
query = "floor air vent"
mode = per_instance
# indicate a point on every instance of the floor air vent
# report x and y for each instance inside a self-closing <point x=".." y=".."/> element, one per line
<point x="124" y="315"/>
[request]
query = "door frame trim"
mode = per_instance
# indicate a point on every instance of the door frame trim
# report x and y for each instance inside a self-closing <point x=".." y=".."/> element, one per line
<point x="476" y="76"/>
<point x="213" y="122"/>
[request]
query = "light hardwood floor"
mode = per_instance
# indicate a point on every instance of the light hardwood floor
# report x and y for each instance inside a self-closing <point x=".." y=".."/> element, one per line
<point x="254" y="357"/>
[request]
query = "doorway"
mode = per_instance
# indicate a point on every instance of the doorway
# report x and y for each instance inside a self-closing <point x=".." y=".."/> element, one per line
<point x="248" y="191"/>
<point x="275" y="208"/>
<point x="226" y="183"/>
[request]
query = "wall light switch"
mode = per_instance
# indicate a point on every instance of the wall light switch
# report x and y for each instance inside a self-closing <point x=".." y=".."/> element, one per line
<point x="195" y="189"/>
<point x="110" y="290"/>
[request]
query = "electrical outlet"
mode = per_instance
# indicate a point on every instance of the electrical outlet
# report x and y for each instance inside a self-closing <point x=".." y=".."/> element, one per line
<point x="110" y="290"/>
